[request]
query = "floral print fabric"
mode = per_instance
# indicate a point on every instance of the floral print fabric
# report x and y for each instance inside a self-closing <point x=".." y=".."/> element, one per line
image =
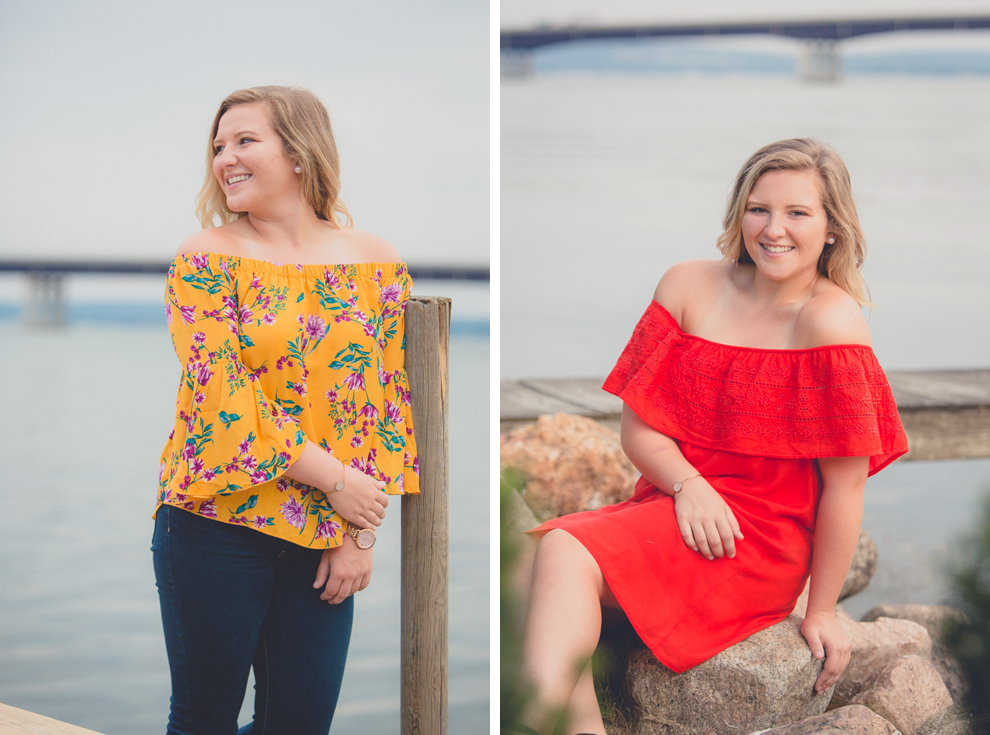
<point x="274" y="356"/>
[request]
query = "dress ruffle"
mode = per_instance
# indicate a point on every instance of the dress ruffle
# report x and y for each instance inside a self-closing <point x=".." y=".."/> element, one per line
<point x="829" y="401"/>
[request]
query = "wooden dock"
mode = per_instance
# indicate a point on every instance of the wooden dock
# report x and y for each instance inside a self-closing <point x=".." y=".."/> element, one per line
<point x="15" y="721"/>
<point x="946" y="413"/>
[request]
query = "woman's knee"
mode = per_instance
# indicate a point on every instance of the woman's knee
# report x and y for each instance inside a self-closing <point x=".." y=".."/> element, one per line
<point x="560" y="552"/>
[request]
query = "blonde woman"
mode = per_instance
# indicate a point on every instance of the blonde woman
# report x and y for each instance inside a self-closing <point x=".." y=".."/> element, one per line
<point x="292" y="424"/>
<point x="755" y="410"/>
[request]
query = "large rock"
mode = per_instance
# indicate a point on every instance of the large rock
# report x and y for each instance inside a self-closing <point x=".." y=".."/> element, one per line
<point x="762" y="682"/>
<point x="572" y="463"/>
<point x="905" y="692"/>
<point x="952" y="720"/>
<point x="863" y="567"/>
<point x="854" y="718"/>
<point x="935" y="619"/>
<point x="874" y="645"/>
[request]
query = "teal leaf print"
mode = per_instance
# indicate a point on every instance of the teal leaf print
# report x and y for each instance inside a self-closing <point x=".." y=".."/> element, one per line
<point x="252" y="501"/>
<point x="300" y="438"/>
<point x="228" y="418"/>
<point x="301" y="297"/>
<point x="245" y="340"/>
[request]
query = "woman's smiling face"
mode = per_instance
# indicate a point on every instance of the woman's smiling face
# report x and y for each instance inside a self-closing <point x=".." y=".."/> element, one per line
<point x="785" y="226"/>
<point x="250" y="162"/>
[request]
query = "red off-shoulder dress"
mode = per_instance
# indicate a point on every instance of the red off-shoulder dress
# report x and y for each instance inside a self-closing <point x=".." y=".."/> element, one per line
<point x="752" y="422"/>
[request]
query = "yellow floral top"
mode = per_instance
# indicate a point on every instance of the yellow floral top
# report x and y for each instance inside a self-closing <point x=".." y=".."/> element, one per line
<point x="274" y="356"/>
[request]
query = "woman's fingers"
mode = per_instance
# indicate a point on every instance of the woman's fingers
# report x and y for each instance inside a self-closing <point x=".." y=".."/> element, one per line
<point x="322" y="571"/>
<point x="687" y="535"/>
<point x="736" y="531"/>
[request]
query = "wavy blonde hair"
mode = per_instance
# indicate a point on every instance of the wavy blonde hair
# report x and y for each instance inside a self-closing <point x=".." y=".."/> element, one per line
<point x="299" y="118"/>
<point x="841" y="262"/>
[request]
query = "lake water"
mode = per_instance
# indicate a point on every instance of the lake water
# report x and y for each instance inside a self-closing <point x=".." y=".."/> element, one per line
<point x="608" y="179"/>
<point x="86" y="413"/>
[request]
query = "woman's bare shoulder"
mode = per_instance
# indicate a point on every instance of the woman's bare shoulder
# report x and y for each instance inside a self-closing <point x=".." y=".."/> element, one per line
<point x="373" y="249"/>
<point x="211" y="240"/>
<point x="832" y="317"/>
<point x="686" y="280"/>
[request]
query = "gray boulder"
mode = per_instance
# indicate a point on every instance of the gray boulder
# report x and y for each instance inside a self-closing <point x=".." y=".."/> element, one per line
<point x="854" y="718"/>
<point x="952" y="720"/>
<point x="863" y="567"/>
<point x="906" y="692"/>
<point x="762" y="682"/>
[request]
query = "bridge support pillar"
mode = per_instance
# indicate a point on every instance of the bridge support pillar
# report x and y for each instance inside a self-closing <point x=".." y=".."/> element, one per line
<point x="820" y="62"/>
<point x="46" y="300"/>
<point x="516" y="63"/>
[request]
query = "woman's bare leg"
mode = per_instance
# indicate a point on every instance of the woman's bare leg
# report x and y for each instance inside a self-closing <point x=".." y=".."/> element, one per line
<point x="563" y="625"/>
<point x="583" y="712"/>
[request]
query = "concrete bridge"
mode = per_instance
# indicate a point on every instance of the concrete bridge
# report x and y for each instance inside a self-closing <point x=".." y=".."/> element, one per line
<point x="820" y="37"/>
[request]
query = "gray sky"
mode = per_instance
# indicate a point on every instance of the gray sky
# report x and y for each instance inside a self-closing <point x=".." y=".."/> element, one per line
<point x="107" y="105"/>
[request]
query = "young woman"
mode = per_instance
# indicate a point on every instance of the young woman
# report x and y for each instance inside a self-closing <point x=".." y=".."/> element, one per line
<point x="755" y="409"/>
<point x="292" y="418"/>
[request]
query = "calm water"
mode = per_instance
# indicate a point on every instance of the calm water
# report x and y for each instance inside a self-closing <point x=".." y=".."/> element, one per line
<point x="608" y="179"/>
<point x="86" y="414"/>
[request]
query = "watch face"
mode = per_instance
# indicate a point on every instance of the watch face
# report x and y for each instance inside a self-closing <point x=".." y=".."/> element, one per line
<point x="365" y="538"/>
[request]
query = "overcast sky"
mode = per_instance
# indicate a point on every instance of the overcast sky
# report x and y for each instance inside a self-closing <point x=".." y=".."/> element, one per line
<point x="107" y="106"/>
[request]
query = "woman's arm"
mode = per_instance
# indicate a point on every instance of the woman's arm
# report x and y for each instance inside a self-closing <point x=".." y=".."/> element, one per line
<point x="361" y="502"/>
<point x="705" y="520"/>
<point x="840" y="512"/>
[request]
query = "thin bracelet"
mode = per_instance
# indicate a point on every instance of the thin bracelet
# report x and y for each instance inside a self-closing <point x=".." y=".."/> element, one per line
<point x="339" y="485"/>
<point x="679" y="485"/>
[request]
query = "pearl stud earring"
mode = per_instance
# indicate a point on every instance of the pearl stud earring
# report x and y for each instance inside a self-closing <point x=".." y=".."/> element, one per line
<point x="831" y="240"/>
<point x="298" y="170"/>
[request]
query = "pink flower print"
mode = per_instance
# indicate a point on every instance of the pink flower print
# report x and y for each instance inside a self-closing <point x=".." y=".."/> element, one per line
<point x="196" y="465"/>
<point x="209" y="475"/>
<point x="327" y="529"/>
<point x="298" y="388"/>
<point x="245" y="315"/>
<point x="354" y="381"/>
<point x="332" y="395"/>
<point x="284" y="456"/>
<point x="260" y="522"/>
<point x="400" y="481"/>
<point x="331" y="279"/>
<point x="249" y="462"/>
<point x="189" y="505"/>
<point x="391" y="293"/>
<point x="189" y="450"/>
<point x="360" y="315"/>
<point x="208" y="508"/>
<point x="171" y="434"/>
<point x="384" y="377"/>
<point x="168" y="313"/>
<point x="369" y="411"/>
<point x="392" y="411"/>
<point x="199" y="398"/>
<point x="280" y="363"/>
<point x="256" y="283"/>
<point x="199" y="338"/>
<point x="370" y="329"/>
<point x="301" y="320"/>
<point x="293" y="513"/>
<point x="356" y="442"/>
<point x="244" y="446"/>
<point x="416" y="465"/>
<point x="200" y="260"/>
<point x="204" y="375"/>
<point x="268" y="318"/>
<point x="188" y="314"/>
<point x="316" y="328"/>
<point x="259" y="476"/>
<point x="282" y="484"/>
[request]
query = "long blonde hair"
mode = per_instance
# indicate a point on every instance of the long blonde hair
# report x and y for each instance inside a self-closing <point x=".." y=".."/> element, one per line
<point x="299" y="118"/>
<point x="841" y="262"/>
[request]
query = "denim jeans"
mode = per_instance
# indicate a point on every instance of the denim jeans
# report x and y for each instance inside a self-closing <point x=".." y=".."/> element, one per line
<point x="233" y="598"/>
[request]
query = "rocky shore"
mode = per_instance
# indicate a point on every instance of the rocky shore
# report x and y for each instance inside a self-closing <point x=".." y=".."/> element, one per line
<point x="899" y="680"/>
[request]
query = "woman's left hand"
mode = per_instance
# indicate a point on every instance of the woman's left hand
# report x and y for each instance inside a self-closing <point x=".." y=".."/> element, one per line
<point x="344" y="569"/>
<point x="827" y="640"/>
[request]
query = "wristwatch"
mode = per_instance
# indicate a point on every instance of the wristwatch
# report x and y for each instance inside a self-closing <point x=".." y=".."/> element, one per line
<point x="363" y="537"/>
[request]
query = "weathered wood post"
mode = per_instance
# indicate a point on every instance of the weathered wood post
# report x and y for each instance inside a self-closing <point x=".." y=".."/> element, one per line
<point x="425" y="524"/>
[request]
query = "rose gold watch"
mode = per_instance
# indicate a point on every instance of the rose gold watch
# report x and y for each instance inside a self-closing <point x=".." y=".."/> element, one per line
<point x="363" y="537"/>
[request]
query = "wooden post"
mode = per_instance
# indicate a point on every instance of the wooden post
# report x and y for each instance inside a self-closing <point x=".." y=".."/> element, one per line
<point x="425" y="524"/>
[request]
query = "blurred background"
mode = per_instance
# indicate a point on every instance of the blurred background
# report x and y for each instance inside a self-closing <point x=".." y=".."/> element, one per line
<point x="616" y="161"/>
<point x="107" y="107"/>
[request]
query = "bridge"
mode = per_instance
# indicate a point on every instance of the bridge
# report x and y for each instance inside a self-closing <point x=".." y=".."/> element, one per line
<point x="46" y="301"/>
<point x="820" y="37"/>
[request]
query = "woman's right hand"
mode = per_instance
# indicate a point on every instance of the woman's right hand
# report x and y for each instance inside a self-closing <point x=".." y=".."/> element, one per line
<point x="705" y="520"/>
<point x="362" y="501"/>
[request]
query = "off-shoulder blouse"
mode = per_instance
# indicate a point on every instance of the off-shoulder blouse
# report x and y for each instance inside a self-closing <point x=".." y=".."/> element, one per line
<point x="275" y="356"/>
<point x="831" y="401"/>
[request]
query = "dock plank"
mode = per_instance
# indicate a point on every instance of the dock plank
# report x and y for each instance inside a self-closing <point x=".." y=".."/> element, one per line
<point x="14" y="721"/>
<point x="946" y="413"/>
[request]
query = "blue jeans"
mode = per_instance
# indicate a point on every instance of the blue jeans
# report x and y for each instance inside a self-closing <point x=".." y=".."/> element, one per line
<point x="233" y="598"/>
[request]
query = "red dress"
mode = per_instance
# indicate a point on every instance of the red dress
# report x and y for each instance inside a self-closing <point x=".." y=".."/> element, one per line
<point x="752" y="422"/>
